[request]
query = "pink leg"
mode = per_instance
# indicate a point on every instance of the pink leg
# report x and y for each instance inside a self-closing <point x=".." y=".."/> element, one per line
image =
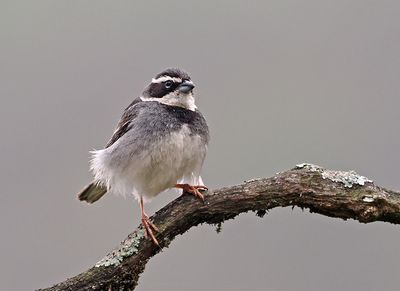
<point x="147" y="224"/>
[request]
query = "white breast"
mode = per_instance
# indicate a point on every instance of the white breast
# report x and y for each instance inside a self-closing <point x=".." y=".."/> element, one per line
<point x="177" y="157"/>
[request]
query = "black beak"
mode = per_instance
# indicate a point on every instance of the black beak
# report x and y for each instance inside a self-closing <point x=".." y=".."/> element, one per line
<point x="186" y="87"/>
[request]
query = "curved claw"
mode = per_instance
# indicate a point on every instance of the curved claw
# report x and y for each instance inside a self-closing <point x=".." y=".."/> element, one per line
<point x="192" y="190"/>
<point x="149" y="227"/>
<point x="198" y="194"/>
<point x="201" y="187"/>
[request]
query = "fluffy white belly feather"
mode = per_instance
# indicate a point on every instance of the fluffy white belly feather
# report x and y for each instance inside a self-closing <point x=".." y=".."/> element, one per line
<point x="174" y="158"/>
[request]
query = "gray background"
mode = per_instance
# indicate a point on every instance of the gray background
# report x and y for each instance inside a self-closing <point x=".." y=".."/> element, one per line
<point x="280" y="82"/>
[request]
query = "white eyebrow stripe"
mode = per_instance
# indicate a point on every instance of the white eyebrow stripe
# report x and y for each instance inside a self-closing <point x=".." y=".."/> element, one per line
<point x="166" y="78"/>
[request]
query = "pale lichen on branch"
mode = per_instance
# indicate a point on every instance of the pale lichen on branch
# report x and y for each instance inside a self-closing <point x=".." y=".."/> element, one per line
<point x="347" y="178"/>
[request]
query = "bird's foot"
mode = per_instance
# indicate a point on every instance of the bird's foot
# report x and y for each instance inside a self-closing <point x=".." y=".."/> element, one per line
<point x="149" y="228"/>
<point x="192" y="190"/>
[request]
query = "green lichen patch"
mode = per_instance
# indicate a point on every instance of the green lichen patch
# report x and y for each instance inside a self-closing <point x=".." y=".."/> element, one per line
<point x="127" y="248"/>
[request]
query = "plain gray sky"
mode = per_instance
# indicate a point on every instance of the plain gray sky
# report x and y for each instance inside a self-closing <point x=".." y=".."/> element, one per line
<point x="280" y="82"/>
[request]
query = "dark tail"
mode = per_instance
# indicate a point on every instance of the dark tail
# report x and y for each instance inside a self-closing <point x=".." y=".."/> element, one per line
<point x="92" y="192"/>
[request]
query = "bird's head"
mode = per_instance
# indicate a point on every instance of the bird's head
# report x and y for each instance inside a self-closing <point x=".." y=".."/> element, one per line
<point x="171" y="87"/>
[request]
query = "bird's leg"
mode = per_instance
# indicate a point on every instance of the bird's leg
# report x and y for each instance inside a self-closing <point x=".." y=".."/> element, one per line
<point x="147" y="224"/>
<point x="192" y="190"/>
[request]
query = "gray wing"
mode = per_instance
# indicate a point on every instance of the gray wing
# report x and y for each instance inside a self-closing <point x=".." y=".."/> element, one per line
<point x="125" y="123"/>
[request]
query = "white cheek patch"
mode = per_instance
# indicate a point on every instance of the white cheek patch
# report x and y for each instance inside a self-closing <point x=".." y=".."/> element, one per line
<point x="173" y="99"/>
<point x="166" y="78"/>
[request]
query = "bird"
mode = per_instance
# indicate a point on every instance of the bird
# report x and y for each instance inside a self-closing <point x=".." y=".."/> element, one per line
<point x="160" y="142"/>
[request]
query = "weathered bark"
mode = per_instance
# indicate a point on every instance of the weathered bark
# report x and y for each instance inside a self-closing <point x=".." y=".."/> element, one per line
<point x="331" y="193"/>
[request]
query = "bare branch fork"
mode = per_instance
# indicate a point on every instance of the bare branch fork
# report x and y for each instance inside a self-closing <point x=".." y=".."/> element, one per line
<point x="331" y="193"/>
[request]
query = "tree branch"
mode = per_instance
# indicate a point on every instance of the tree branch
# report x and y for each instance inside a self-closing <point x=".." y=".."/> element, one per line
<point x="331" y="193"/>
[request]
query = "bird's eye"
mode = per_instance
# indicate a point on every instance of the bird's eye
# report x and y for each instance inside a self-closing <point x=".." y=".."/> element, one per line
<point x="168" y="84"/>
